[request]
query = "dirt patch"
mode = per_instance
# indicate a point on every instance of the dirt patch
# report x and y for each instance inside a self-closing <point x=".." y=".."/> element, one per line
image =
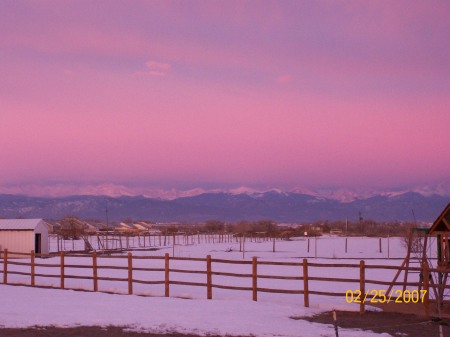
<point x="395" y="324"/>
<point x="82" y="331"/>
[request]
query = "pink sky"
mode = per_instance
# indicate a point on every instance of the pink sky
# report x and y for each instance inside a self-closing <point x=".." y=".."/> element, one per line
<point x="188" y="93"/>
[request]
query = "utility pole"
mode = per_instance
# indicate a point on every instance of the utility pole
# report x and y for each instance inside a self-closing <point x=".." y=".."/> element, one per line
<point x="361" y="224"/>
<point x="107" y="226"/>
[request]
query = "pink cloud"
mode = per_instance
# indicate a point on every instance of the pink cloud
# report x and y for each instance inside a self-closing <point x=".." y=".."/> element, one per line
<point x="284" y="79"/>
<point x="156" y="69"/>
<point x="153" y="65"/>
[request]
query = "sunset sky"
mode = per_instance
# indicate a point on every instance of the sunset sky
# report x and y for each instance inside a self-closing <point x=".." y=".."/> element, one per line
<point x="211" y="94"/>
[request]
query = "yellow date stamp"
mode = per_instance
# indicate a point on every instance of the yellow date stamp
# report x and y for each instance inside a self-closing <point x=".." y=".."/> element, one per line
<point x="380" y="296"/>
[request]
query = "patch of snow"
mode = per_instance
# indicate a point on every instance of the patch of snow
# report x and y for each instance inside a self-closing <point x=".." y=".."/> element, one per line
<point x="65" y="308"/>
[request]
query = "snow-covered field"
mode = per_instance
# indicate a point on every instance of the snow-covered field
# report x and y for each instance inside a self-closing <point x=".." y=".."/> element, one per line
<point x="231" y="312"/>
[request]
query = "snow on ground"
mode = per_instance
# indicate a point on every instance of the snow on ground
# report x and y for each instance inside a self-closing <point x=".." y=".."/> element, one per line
<point x="25" y="307"/>
<point x="230" y="312"/>
<point x="326" y="246"/>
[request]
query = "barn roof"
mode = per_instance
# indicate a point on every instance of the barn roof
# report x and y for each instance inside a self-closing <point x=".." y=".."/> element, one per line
<point x="19" y="224"/>
<point x="442" y="223"/>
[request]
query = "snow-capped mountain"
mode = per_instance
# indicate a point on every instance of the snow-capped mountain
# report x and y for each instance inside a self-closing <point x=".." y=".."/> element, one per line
<point x="117" y="190"/>
<point x="253" y="205"/>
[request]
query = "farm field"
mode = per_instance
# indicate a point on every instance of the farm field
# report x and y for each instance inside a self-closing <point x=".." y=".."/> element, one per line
<point x="187" y="310"/>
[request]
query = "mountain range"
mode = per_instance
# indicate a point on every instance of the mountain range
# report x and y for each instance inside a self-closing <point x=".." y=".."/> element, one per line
<point x="275" y="205"/>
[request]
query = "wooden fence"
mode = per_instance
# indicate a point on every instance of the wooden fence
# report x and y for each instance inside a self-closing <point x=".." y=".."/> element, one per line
<point x="303" y="277"/>
<point x="105" y="241"/>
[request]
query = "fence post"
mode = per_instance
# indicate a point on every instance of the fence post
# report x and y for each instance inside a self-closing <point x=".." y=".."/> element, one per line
<point x="166" y="281"/>
<point x="255" y="278"/>
<point x="5" y="266"/>
<point x="94" y="270"/>
<point x="130" y="274"/>
<point x="32" y="268"/>
<point x="173" y="246"/>
<point x="315" y="246"/>
<point x="208" y="277"/>
<point x="388" y="248"/>
<point x="362" y="285"/>
<point x="426" y="287"/>
<point x="62" y="270"/>
<point x="305" y="283"/>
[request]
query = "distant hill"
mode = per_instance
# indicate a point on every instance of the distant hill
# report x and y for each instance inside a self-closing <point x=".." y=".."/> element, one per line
<point x="277" y="206"/>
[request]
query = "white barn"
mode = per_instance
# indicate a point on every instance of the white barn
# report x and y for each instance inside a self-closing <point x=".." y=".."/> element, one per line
<point x="24" y="235"/>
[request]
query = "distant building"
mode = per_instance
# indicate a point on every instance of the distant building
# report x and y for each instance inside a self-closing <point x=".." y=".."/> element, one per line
<point x="335" y="231"/>
<point x="289" y="225"/>
<point x="125" y="228"/>
<point x="24" y="235"/>
<point x="136" y="228"/>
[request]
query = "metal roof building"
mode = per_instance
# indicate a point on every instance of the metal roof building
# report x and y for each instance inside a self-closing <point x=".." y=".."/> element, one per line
<point x="24" y="235"/>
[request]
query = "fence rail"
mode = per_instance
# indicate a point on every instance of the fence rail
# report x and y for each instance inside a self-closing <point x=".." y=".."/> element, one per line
<point x="120" y="241"/>
<point x="303" y="275"/>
